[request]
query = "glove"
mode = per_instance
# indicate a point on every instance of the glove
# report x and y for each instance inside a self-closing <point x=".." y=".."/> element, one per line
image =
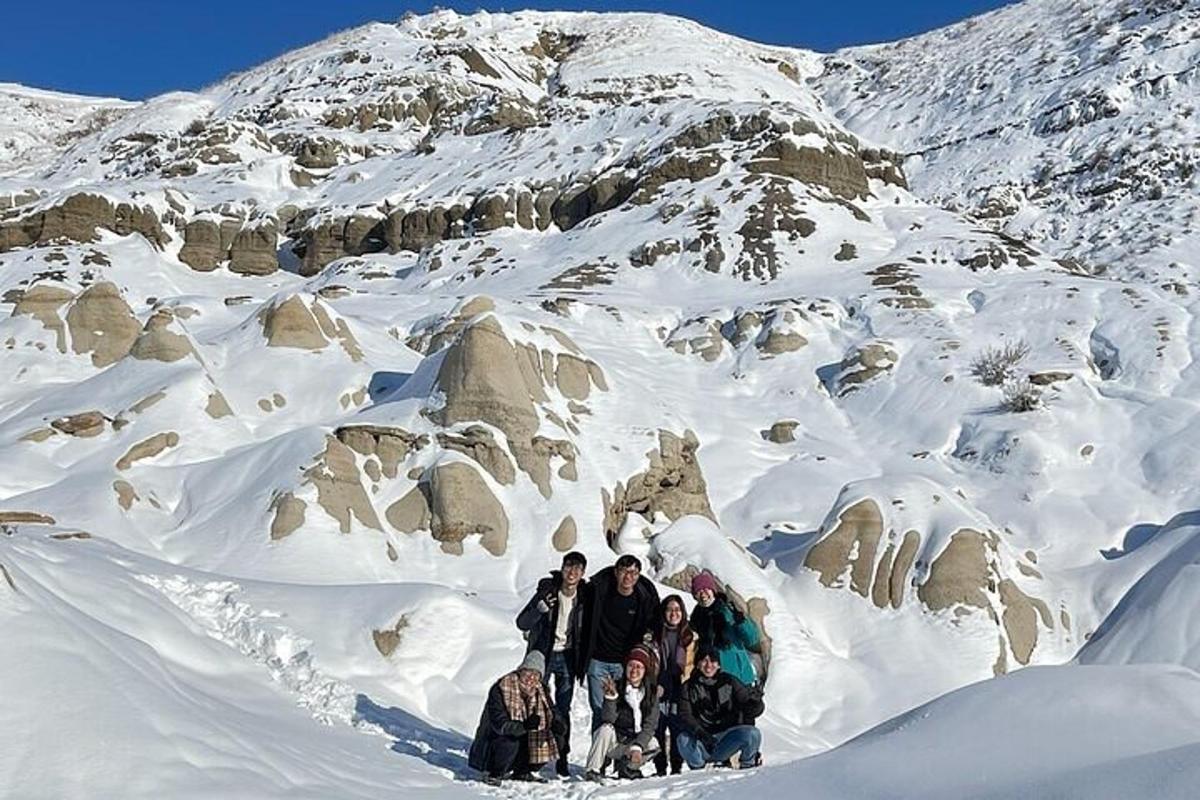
<point x="709" y="741"/>
<point x="532" y="722"/>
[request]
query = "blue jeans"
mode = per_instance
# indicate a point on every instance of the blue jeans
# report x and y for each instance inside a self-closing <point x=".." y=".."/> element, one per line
<point x="744" y="738"/>
<point x="564" y="693"/>
<point x="596" y="671"/>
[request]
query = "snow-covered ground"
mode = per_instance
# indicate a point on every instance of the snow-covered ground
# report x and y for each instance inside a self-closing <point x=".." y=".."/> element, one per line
<point x="314" y="373"/>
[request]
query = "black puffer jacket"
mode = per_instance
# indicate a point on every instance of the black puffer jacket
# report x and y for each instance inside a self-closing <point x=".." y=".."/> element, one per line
<point x="708" y="706"/>
<point x="539" y="625"/>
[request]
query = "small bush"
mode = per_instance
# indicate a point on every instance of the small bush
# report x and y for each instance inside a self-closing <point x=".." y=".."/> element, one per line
<point x="1020" y="395"/>
<point x="995" y="365"/>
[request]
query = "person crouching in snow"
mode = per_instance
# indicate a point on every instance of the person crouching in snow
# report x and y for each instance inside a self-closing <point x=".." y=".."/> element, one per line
<point x="628" y="719"/>
<point x="715" y="715"/>
<point x="719" y="624"/>
<point x="517" y="728"/>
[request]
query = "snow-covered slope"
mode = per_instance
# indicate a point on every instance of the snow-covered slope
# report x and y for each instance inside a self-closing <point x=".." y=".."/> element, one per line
<point x="36" y="125"/>
<point x="314" y="373"/>
<point x="1068" y="123"/>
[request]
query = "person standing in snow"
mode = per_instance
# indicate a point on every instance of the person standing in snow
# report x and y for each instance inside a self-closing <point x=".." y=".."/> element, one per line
<point x="628" y="719"/>
<point x="517" y="729"/>
<point x="553" y="624"/>
<point x="676" y="645"/>
<point x="624" y="611"/>
<point x="718" y="624"/>
<point x="716" y="715"/>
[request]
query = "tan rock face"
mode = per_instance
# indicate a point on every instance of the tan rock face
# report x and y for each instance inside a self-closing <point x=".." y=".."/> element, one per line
<point x="77" y="219"/>
<point x="42" y="302"/>
<point x="782" y="432"/>
<point x="482" y="379"/>
<point x="217" y="406"/>
<point x="148" y="448"/>
<point x="477" y="443"/>
<point x="966" y="577"/>
<point x="101" y="323"/>
<point x="386" y="641"/>
<point x="851" y="544"/>
<point x="842" y="173"/>
<point x="959" y="575"/>
<point x="461" y="505"/>
<point x="453" y="502"/>
<point x="25" y="517"/>
<point x="85" y="425"/>
<point x="158" y="342"/>
<point x="202" y="248"/>
<point x="292" y="324"/>
<point x="863" y="365"/>
<point x="253" y="249"/>
<point x="289" y="515"/>
<point x="673" y="485"/>
<point x="390" y="445"/>
<point x="565" y="535"/>
<point x="339" y="487"/>
<point x="126" y="495"/>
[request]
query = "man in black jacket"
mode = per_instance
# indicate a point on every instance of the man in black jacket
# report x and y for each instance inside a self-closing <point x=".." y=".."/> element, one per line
<point x="553" y="622"/>
<point x="624" y="611"/>
<point x="716" y="712"/>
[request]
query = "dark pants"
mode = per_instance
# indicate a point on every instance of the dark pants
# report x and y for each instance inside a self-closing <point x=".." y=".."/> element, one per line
<point x="564" y="693"/>
<point x="667" y="730"/>
<point x="507" y="753"/>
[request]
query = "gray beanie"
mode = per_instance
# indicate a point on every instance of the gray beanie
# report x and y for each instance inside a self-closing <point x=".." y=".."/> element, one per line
<point x="534" y="661"/>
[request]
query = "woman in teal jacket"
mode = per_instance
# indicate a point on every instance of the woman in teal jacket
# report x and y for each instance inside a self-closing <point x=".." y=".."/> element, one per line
<point x="718" y="624"/>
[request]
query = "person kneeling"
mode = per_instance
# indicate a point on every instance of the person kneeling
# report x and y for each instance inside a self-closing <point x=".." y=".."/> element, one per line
<point x="628" y="720"/>
<point x="517" y="728"/>
<point x="715" y="710"/>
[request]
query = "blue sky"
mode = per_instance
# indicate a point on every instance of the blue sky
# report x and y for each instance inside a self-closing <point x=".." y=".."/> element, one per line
<point x="139" y="48"/>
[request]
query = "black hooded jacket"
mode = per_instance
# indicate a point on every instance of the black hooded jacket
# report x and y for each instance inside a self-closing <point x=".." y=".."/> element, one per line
<point x="539" y="625"/>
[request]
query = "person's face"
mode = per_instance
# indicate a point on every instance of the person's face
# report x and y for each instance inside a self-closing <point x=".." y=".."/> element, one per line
<point x="705" y="596"/>
<point x="709" y="666"/>
<point x="627" y="578"/>
<point x="635" y="671"/>
<point x="674" y="614"/>
<point x="572" y="574"/>
<point x="529" y="679"/>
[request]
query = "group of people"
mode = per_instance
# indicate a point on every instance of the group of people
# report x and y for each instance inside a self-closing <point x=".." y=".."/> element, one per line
<point x="663" y="687"/>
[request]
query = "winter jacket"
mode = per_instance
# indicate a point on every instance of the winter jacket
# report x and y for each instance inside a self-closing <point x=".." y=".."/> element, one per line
<point x="603" y="585"/>
<point x="683" y="658"/>
<point x="539" y="625"/>
<point x="495" y="722"/>
<point x="731" y="633"/>
<point x="708" y="706"/>
<point x="619" y="714"/>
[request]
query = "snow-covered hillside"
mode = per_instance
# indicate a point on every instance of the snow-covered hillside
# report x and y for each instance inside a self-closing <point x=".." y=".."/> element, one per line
<point x="1067" y="123"/>
<point x="314" y="373"/>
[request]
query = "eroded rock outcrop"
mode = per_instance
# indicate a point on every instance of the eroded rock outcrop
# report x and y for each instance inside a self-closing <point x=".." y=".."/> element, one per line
<point x="453" y="502"/>
<point x="673" y="485"/>
<point x="102" y="324"/>
<point x="293" y="322"/>
<point x="159" y="340"/>
<point x="916" y="542"/>
<point x="77" y="219"/>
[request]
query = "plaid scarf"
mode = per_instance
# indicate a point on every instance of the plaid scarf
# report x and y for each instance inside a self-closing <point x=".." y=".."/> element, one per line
<point x="520" y="705"/>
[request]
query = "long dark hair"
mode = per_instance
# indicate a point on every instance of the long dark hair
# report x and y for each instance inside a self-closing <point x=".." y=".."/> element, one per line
<point x="685" y="631"/>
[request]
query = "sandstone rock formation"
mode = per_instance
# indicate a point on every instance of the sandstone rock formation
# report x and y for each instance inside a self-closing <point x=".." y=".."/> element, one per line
<point x="453" y="502"/>
<point x="158" y="342"/>
<point x="101" y="323"/>
<point x="673" y="485"/>
<point x="77" y="219"/>
<point x="918" y="543"/>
